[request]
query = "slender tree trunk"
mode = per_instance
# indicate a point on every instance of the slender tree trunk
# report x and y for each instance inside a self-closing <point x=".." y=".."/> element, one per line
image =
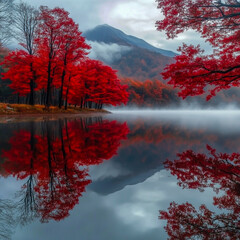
<point x="27" y="99"/>
<point x="32" y="85"/>
<point x="63" y="149"/>
<point x="67" y="92"/>
<point x="81" y="103"/>
<point x="90" y="104"/>
<point x="61" y="89"/>
<point x="48" y="99"/>
<point x="50" y="168"/>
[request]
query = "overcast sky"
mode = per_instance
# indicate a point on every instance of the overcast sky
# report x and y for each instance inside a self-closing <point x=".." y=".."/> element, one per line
<point x="134" y="17"/>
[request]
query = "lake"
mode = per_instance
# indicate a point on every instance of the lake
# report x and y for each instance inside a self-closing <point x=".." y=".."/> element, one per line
<point x="132" y="175"/>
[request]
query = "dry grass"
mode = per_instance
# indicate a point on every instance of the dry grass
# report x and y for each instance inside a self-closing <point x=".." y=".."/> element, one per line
<point x="12" y="109"/>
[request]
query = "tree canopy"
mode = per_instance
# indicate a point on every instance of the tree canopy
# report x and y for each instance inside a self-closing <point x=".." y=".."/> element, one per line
<point x="219" y="23"/>
<point x="53" y="68"/>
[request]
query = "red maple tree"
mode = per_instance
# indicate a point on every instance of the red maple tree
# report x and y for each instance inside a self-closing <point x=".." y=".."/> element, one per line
<point x="97" y="84"/>
<point x="219" y="23"/>
<point x="59" y="70"/>
<point x="19" y="64"/>
<point x="59" y="44"/>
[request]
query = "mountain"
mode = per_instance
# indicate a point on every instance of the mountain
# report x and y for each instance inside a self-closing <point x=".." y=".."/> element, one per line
<point x="138" y="60"/>
<point x="107" y="34"/>
<point x="141" y="64"/>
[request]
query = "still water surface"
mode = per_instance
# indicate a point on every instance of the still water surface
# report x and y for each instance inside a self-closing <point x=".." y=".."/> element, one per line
<point x="106" y="177"/>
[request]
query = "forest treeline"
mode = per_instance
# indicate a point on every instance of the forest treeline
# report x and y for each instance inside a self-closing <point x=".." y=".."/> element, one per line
<point x="52" y="66"/>
<point x="149" y="93"/>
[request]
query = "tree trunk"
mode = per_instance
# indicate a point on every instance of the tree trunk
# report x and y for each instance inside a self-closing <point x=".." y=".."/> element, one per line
<point x="32" y="83"/>
<point x="48" y="99"/>
<point x="61" y="89"/>
<point x="67" y="93"/>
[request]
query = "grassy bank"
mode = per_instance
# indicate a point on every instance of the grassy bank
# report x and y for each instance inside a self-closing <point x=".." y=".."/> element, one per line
<point x="22" y="109"/>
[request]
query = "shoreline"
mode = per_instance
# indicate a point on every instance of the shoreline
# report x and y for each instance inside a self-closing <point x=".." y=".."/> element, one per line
<point x="12" y="118"/>
<point x="24" y="110"/>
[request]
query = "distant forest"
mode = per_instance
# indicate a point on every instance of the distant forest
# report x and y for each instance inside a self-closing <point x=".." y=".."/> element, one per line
<point x="51" y="66"/>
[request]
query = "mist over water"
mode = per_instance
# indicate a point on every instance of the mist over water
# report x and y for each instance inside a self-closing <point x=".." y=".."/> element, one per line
<point x="183" y="106"/>
<point x="211" y="120"/>
<point x="134" y="111"/>
<point x="124" y="154"/>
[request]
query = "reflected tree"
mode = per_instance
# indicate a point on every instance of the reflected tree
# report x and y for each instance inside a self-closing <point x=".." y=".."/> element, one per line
<point x="27" y="207"/>
<point x="54" y="159"/>
<point x="7" y="221"/>
<point x="184" y="221"/>
<point x="220" y="171"/>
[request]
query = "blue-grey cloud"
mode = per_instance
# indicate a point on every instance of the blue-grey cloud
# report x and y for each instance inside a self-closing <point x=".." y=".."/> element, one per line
<point x="135" y="17"/>
<point x="107" y="52"/>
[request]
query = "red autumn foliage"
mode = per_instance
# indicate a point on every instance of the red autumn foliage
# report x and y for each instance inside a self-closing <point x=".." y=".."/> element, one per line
<point x="60" y="44"/>
<point x="59" y="71"/>
<point x="19" y="71"/>
<point x="184" y="221"/>
<point x="200" y="171"/>
<point x="98" y="83"/>
<point x="55" y="164"/>
<point x="149" y="93"/>
<point x="193" y="72"/>
<point x="219" y="171"/>
<point x="204" y="16"/>
<point x="218" y="22"/>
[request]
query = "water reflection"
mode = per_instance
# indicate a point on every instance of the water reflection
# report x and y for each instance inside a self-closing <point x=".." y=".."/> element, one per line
<point x="150" y="143"/>
<point x="7" y="221"/>
<point x="55" y="161"/>
<point x="220" y="171"/>
<point x="52" y="157"/>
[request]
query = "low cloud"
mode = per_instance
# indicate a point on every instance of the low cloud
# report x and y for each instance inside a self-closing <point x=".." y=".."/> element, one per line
<point x="107" y="53"/>
<point x="134" y="17"/>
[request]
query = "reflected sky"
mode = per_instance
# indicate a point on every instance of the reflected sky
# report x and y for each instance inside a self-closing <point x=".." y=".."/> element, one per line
<point x="214" y="120"/>
<point x="129" y="182"/>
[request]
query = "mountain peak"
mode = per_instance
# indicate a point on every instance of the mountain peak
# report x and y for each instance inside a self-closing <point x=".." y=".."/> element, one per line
<point x="104" y="25"/>
<point x="108" y="34"/>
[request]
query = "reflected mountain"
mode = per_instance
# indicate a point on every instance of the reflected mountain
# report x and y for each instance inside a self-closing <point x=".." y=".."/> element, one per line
<point x="147" y="147"/>
<point x="52" y="159"/>
<point x="51" y="162"/>
<point x="219" y="171"/>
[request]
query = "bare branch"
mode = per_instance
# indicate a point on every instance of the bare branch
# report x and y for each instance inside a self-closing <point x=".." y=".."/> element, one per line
<point x="6" y="9"/>
<point x="26" y="21"/>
